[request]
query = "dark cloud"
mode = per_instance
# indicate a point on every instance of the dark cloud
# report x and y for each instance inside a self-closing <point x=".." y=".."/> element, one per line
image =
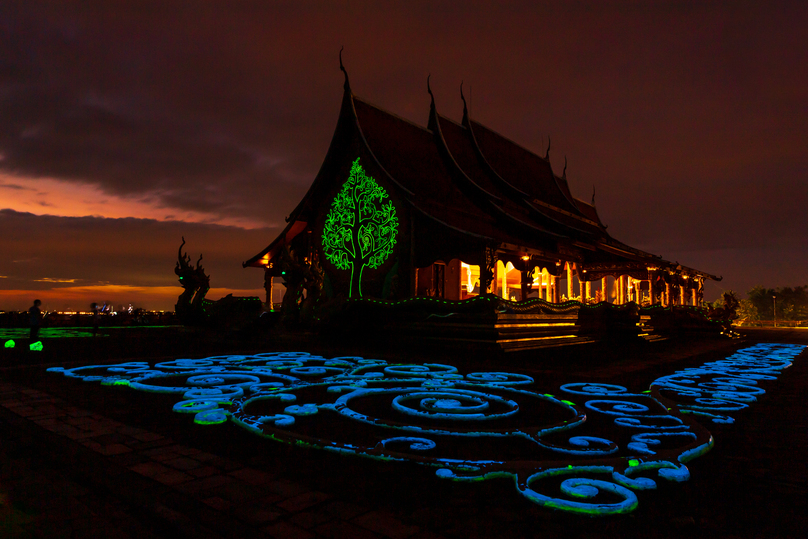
<point x="15" y="187"/>
<point x="47" y="251"/>
<point x="689" y="117"/>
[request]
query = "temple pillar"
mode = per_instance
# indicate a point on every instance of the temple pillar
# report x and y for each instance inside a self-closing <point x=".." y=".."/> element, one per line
<point x="526" y="284"/>
<point x="503" y="282"/>
<point x="554" y="286"/>
<point x="667" y="294"/>
<point x="624" y="288"/>
<point x="587" y="291"/>
<point x="682" y="295"/>
<point x="544" y="286"/>
<point x="569" y="280"/>
<point x="581" y="290"/>
<point x="487" y="269"/>
<point x="651" y="290"/>
<point x="604" y="289"/>
<point x="268" y="281"/>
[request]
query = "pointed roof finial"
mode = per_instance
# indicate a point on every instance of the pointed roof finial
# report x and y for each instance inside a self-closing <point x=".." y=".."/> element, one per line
<point x="433" y="112"/>
<point x="342" y="68"/>
<point x="593" y="195"/>
<point x="564" y="174"/>
<point x="463" y="97"/>
<point x="465" y="107"/>
<point x="547" y="153"/>
<point x="431" y="95"/>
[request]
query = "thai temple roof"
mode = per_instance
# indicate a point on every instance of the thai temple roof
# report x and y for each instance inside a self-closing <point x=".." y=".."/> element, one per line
<point x="468" y="179"/>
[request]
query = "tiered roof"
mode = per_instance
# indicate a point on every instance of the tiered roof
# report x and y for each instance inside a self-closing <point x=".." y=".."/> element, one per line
<point x="470" y="182"/>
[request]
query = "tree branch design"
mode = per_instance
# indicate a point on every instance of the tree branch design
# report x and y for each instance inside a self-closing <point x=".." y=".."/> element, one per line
<point x="360" y="228"/>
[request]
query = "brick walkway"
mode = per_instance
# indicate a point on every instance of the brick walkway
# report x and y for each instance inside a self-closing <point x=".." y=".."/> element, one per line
<point x="70" y="470"/>
<point x="183" y="491"/>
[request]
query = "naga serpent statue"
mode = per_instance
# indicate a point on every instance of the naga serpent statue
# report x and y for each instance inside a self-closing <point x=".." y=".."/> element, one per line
<point x="194" y="309"/>
<point x="195" y="283"/>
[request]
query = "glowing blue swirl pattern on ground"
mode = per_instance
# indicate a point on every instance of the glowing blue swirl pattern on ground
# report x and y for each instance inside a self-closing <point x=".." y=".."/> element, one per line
<point x="616" y="442"/>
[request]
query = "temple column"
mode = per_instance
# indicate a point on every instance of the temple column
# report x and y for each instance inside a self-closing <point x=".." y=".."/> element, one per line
<point x="604" y="289"/>
<point x="667" y="294"/>
<point x="554" y="285"/>
<point x="623" y="290"/>
<point x="651" y="290"/>
<point x="569" y="281"/>
<point x="540" y="277"/>
<point x="526" y="282"/>
<point x="488" y="270"/>
<point x="502" y="281"/>
<point x="581" y="290"/>
<point x="587" y="291"/>
<point x="682" y="295"/>
<point x="268" y="282"/>
<point x="485" y="281"/>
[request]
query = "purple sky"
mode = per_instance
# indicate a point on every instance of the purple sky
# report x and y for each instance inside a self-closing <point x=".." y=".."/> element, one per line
<point x="124" y="126"/>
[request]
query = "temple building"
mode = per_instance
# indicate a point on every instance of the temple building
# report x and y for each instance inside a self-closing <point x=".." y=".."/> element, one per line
<point x="454" y="210"/>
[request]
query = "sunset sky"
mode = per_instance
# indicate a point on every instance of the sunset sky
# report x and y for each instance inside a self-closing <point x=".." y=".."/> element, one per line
<point x="127" y="125"/>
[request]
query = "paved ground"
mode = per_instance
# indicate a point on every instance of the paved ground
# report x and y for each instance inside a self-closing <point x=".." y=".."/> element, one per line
<point x="81" y="460"/>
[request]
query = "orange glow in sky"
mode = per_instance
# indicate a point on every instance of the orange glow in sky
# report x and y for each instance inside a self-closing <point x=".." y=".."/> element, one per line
<point x="79" y="297"/>
<point x="73" y="199"/>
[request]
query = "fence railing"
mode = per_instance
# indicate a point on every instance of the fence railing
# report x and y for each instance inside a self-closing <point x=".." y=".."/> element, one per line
<point x="780" y="323"/>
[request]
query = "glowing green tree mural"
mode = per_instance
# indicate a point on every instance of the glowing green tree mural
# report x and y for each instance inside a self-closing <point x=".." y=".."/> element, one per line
<point x="360" y="229"/>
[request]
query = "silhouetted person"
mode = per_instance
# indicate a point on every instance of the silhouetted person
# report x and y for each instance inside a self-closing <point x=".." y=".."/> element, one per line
<point x="94" y="307"/>
<point x="35" y="320"/>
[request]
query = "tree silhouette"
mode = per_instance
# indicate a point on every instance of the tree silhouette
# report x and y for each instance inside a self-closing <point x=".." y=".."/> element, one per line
<point x="360" y="229"/>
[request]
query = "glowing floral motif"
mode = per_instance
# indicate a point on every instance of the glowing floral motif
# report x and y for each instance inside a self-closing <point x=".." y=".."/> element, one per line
<point x="360" y="229"/>
<point x="613" y="443"/>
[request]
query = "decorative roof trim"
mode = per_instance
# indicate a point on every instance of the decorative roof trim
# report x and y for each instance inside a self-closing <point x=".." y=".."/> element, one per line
<point x="347" y="85"/>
